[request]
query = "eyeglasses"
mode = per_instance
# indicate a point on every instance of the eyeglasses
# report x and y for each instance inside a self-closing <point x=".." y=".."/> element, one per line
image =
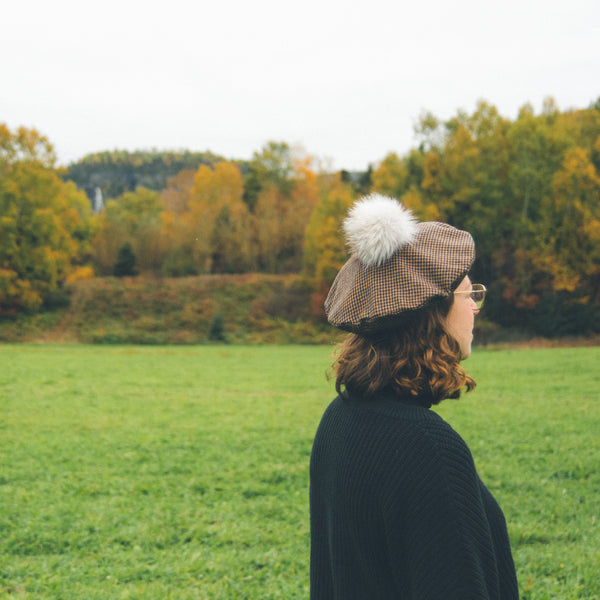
<point x="477" y="294"/>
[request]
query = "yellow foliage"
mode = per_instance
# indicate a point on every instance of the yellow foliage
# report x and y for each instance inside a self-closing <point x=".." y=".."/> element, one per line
<point x="390" y="176"/>
<point x="80" y="274"/>
<point x="425" y="212"/>
<point x="269" y="235"/>
<point x="218" y="221"/>
<point x="177" y="194"/>
<point x="45" y="226"/>
<point x="431" y="173"/>
<point x="325" y="248"/>
<point x="16" y="293"/>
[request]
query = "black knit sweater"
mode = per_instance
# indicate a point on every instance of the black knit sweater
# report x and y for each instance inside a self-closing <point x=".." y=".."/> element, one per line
<point x="398" y="511"/>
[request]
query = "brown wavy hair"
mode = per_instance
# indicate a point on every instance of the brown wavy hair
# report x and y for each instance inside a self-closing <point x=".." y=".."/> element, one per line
<point x="416" y="357"/>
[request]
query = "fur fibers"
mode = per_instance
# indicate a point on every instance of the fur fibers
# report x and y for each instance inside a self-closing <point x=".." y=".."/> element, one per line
<point x="376" y="227"/>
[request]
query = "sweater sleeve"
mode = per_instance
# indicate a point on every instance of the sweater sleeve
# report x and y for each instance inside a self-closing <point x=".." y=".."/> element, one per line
<point x="436" y="522"/>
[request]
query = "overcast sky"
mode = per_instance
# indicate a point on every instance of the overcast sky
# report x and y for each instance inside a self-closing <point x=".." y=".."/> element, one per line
<point x="344" y="80"/>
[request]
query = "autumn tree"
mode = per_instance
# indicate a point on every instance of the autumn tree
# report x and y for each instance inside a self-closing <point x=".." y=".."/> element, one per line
<point x="395" y="177"/>
<point x="271" y="167"/>
<point x="177" y="193"/>
<point x="390" y="177"/>
<point x="281" y="214"/>
<point x="175" y="231"/>
<point x="269" y="235"/>
<point x="527" y="191"/>
<point x="325" y="248"/>
<point x="304" y="197"/>
<point x="45" y="223"/>
<point x="132" y="218"/>
<point x="568" y="236"/>
<point x="218" y="221"/>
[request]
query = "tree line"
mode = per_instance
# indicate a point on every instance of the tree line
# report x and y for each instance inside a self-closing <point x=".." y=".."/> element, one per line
<point x="119" y="171"/>
<point x="528" y="190"/>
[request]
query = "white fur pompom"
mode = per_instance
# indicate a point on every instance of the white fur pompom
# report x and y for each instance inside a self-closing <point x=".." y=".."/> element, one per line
<point x="377" y="226"/>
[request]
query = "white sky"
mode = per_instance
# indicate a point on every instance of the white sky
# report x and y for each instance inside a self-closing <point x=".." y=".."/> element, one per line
<point x="346" y="80"/>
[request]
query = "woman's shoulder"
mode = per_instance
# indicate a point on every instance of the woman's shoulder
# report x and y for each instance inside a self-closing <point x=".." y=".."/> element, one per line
<point x="399" y="421"/>
<point x="429" y="450"/>
<point x="395" y="445"/>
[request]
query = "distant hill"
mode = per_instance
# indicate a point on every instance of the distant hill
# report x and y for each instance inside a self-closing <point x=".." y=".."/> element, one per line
<point x="118" y="171"/>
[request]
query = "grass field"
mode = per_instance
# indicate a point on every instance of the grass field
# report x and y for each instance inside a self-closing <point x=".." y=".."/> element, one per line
<point x="182" y="472"/>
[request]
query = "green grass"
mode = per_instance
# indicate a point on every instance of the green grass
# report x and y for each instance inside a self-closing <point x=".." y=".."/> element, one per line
<point x="182" y="472"/>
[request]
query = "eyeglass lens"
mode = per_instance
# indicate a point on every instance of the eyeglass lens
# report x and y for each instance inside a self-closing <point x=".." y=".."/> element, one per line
<point x="478" y="294"/>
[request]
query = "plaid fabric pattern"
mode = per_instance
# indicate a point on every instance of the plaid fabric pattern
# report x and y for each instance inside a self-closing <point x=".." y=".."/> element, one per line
<point x="365" y="298"/>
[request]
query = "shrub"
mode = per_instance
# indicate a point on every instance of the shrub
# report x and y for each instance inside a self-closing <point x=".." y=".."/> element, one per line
<point x="216" y="333"/>
<point x="126" y="261"/>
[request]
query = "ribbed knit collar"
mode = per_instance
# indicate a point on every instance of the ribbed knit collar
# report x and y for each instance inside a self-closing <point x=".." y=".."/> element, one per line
<point x="387" y="397"/>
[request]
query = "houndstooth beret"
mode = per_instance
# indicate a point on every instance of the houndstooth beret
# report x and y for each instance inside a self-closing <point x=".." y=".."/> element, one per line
<point x="397" y="265"/>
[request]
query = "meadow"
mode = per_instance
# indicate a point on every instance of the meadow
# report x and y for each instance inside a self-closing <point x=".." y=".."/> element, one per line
<point x="181" y="472"/>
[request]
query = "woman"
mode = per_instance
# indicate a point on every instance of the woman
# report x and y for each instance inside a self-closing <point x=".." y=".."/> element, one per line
<point x="397" y="508"/>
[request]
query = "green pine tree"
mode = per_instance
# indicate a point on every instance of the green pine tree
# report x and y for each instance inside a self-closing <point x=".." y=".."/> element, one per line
<point x="126" y="262"/>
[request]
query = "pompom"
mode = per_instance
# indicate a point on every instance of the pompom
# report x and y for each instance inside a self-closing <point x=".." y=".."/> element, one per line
<point x="377" y="226"/>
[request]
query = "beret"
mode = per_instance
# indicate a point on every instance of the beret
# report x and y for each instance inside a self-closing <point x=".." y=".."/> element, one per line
<point x="397" y="265"/>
